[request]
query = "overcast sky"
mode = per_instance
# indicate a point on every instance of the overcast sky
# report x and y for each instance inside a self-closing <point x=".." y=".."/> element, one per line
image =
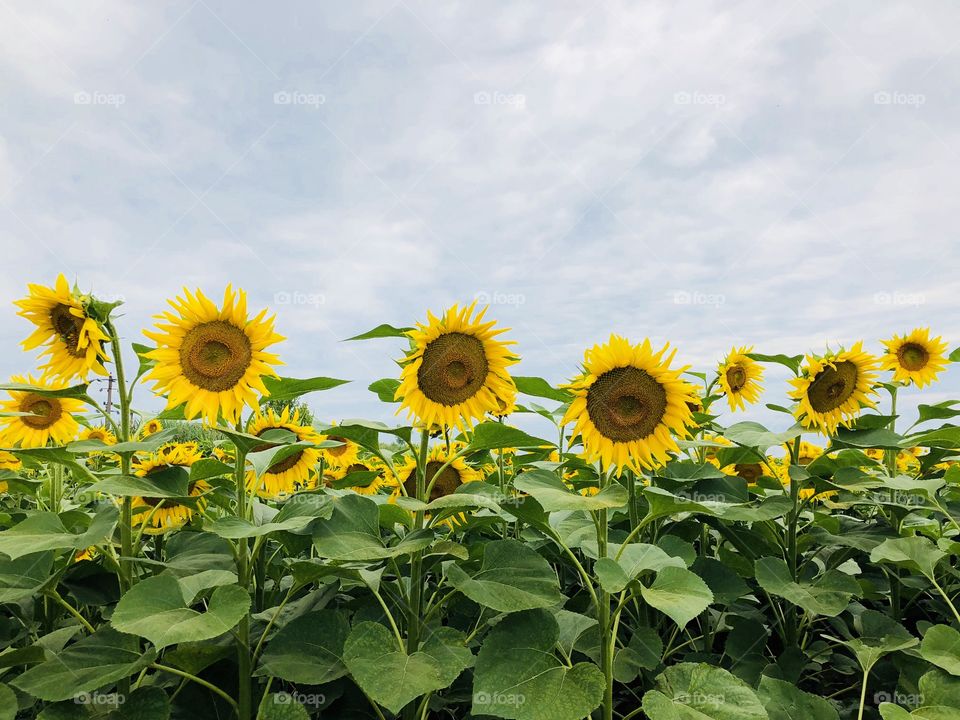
<point x="709" y="173"/>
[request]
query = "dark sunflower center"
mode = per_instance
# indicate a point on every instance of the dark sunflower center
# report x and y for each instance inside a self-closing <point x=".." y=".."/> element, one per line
<point x="45" y="411"/>
<point x="339" y="449"/>
<point x="751" y="472"/>
<point x="215" y="355"/>
<point x="68" y="327"/>
<point x="447" y="482"/>
<point x="283" y="465"/>
<point x="626" y="404"/>
<point x="96" y="435"/>
<point x="453" y="369"/>
<point x="736" y="378"/>
<point x="913" y="356"/>
<point x="833" y="386"/>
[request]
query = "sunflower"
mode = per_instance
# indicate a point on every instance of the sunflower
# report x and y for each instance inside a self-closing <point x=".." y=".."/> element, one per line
<point x="340" y="456"/>
<point x="907" y="462"/>
<point x="456" y="371"/>
<point x="212" y="360"/>
<point x="50" y="418"/>
<point x="100" y="433"/>
<point x="740" y="377"/>
<point x="453" y="476"/>
<point x="150" y="427"/>
<point x="834" y="389"/>
<point x="628" y="404"/>
<point x="74" y="339"/>
<point x="285" y="477"/>
<point x="915" y="358"/>
<point x="808" y="452"/>
<point x="159" y="515"/>
<point x="8" y="461"/>
<point x="372" y="464"/>
<point x="751" y="472"/>
<point x="781" y="469"/>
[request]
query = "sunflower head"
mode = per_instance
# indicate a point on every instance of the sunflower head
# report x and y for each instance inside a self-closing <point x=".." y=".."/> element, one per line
<point x="150" y="427"/>
<point x="212" y="359"/>
<point x="450" y="478"/>
<point x="160" y="515"/>
<point x="74" y="340"/>
<point x="915" y="357"/>
<point x="808" y="452"/>
<point x="9" y="461"/>
<point x="293" y="472"/>
<point x="456" y="370"/>
<point x="101" y="433"/>
<point x="382" y="479"/>
<point x="49" y="418"/>
<point x="740" y="377"/>
<point x="833" y="389"/>
<point x="629" y="404"/>
<point x="339" y="456"/>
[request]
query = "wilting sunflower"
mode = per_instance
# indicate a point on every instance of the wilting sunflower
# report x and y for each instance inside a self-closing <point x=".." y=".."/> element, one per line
<point x="456" y="371"/>
<point x="292" y="473"/>
<point x="159" y="515"/>
<point x="50" y="418"/>
<point x="628" y="404"/>
<point x="740" y="378"/>
<point x="150" y="427"/>
<point x="834" y="389"/>
<point x="100" y="433"/>
<point x="915" y="358"/>
<point x="212" y="360"/>
<point x="74" y="339"/>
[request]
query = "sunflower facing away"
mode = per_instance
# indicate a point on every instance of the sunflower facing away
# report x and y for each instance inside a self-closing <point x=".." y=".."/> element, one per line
<point x="456" y="371"/>
<point x="159" y="515"/>
<point x="629" y="404"/>
<point x="74" y="339"/>
<point x="50" y="418"/>
<point x="740" y="378"/>
<point x="150" y="427"/>
<point x="834" y="389"/>
<point x="293" y="473"/>
<point x="915" y="358"/>
<point x="212" y="360"/>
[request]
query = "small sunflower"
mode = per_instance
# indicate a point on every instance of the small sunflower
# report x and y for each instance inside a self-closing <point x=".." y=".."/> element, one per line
<point x="159" y="515"/>
<point x="834" y="389"/>
<point x="50" y="418"/>
<point x="372" y="464"/>
<point x="740" y="378"/>
<point x="628" y="405"/>
<point x="74" y="339"/>
<point x="9" y="461"/>
<point x="292" y="473"/>
<point x="453" y="476"/>
<point x="781" y="469"/>
<point x="456" y="371"/>
<point x="340" y="456"/>
<point x="808" y="452"/>
<point x="212" y="360"/>
<point x="100" y="433"/>
<point x="751" y="472"/>
<point x="915" y="358"/>
<point x="150" y="427"/>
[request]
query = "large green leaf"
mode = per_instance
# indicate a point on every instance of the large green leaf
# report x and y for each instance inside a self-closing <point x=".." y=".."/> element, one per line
<point x="90" y="663"/>
<point x="784" y="701"/>
<point x="941" y="646"/>
<point x="235" y="528"/>
<point x="914" y="552"/>
<point x="23" y="577"/>
<point x="286" y="389"/>
<point x="552" y="494"/>
<point x="158" y="609"/>
<point x="879" y="636"/>
<point x="146" y="703"/>
<point x="173" y="484"/>
<point x="46" y="531"/>
<point x="382" y="331"/>
<point x="538" y="387"/>
<point x="492" y="435"/>
<point x="282" y="706"/>
<point x="752" y="434"/>
<point x="308" y="650"/>
<point x="353" y="533"/>
<point x="679" y="594"/>
<point x="517" y="675"/>
<point x="512" y="577"/>
<point x="697" y="691"/>
<point x="828" y="595"/>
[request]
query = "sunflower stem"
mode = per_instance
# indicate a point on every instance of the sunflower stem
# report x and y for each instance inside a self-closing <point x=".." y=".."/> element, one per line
<point x="243" y="565"/>
<point x="603" y="611"/>
<point x="416" y="564"/>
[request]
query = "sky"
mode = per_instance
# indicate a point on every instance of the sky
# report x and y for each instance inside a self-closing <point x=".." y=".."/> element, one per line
<point x="781" y="175"/>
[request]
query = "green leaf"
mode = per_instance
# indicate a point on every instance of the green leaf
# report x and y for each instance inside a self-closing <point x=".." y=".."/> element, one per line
<point x="753" y="434"/>
<point x="385" y="389"/>
<point x="146" y="703"/>
<point x="90" y="663"/>
<point x="947" y="437"/>
<point x="914" y="552"/>
<point x="174" y="483"/>
<point x="940" y="411"/>
<point x="517" y="675"/>
<point x="392" y="677"/>
<point x="46" y="531"/>
<point x="552" y="494"/>
<point x="538" y="387"/>
<point x="828" y="595"/>
<point x="790" y="361"/>
<point x="697" y="691"/>
<point x="870" y="438"/>
<point x="784" y="701"/>
<point x="22" y="577"/>
<point x="941" y="646"/>
<point x="641" y="653"/>
<point x="235" y="528"/>
<point x="309" y="649"/>
<point x="879" y="636"/>
<point x="512" y="577"/>
<point x="282" y="706"/>
<point x="77" y="392"/>
<point x="157" y="609"/>
<point x="285" y="389"/>
<point x="493" y="435"/>
<point x="382" y="331"/>
<point x="679" y="594"/>
<point x="353" y="533"/>
<point x="8" y="703"/>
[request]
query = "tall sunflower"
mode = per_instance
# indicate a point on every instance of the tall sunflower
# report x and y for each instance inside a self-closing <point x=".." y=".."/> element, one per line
<point x="915" y="357"/>
<point x="160" y="515"/>
<point x="212" y="360"/>
<point x="628" y="404"/>
<point x="740" y="378"/>
<point x="456" y="370"/>
<point x="834" y="389"/>
<point x="74" y="340"/>
<point x="50" y="418"/>
<point x="293" y="472"/>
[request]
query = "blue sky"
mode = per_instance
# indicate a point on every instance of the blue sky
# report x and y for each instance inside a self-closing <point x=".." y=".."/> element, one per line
<point x="709" y="173"/>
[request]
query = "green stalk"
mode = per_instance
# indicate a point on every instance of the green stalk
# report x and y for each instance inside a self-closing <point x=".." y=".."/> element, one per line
<point x="244" y="701"/>
<point x="603" y="612"/>
<point x="416" y="563"/>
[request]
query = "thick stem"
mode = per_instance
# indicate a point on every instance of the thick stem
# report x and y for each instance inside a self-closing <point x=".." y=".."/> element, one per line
<point x="603" y="613"/>
<point x="244" y="698"/>
<point x="416" y="564"/>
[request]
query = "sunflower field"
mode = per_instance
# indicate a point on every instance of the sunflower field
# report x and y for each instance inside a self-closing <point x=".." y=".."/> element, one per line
<point x="233" y="557"/>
